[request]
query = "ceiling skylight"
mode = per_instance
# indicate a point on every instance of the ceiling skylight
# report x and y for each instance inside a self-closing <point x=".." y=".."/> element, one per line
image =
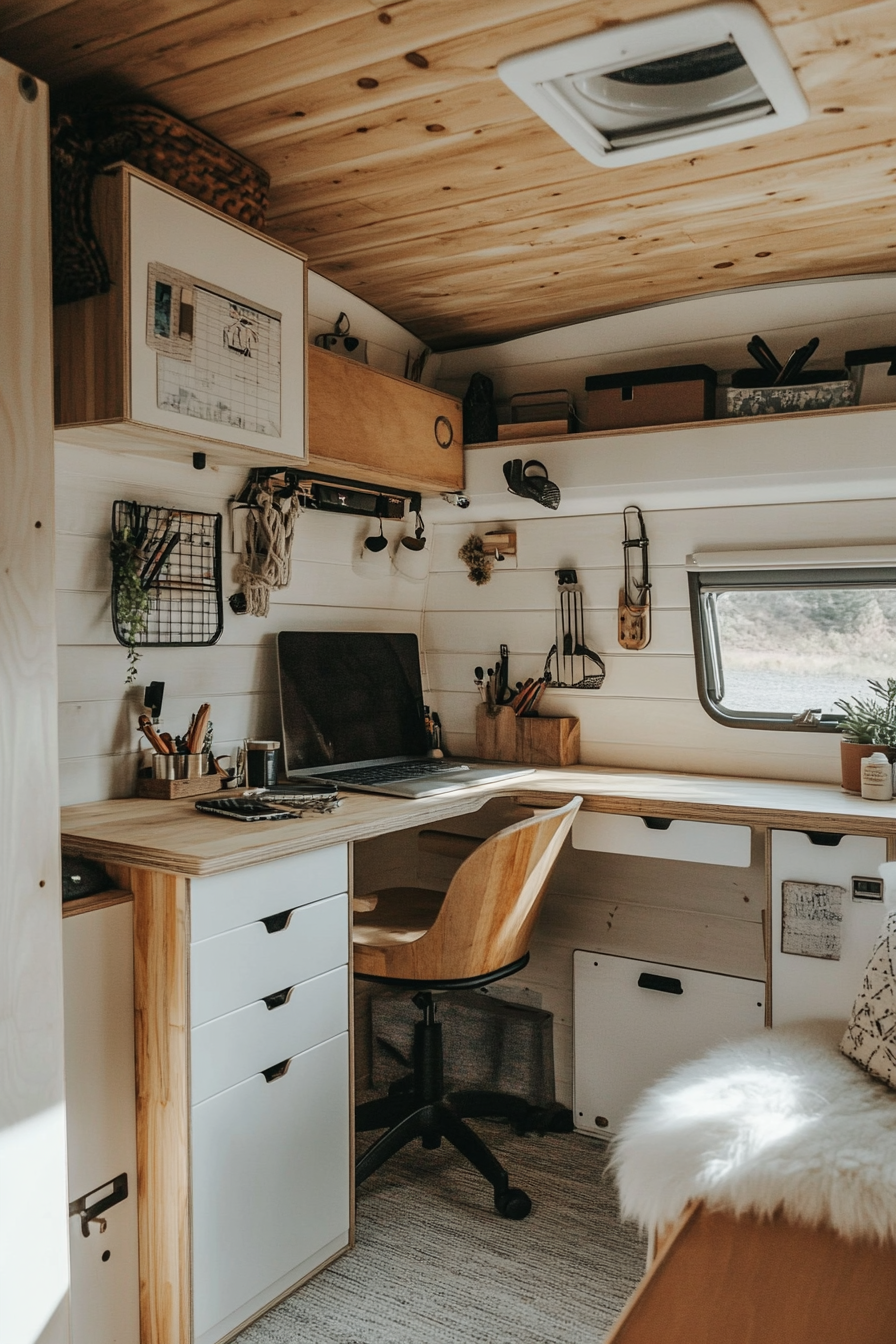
<point x="663" y="86"/>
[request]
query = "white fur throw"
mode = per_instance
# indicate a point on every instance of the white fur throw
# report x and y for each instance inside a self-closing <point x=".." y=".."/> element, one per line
<point x="778" y="1121"/>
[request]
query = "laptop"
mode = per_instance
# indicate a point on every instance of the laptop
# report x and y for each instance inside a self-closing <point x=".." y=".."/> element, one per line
<point x="352" y="711"/>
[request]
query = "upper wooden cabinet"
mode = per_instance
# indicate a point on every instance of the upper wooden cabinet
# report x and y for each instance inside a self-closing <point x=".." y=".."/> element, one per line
<point x="199" y="345"/>
<point x="375" y="427"/>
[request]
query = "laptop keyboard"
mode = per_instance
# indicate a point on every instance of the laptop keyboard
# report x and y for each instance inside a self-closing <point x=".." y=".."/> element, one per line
<point x="393" y="774"/>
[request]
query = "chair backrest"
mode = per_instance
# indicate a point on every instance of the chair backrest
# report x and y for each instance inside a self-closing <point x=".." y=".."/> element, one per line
<point x="494" y="898"/>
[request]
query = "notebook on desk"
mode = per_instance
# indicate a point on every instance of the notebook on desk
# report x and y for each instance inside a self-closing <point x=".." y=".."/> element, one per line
<point x="352" y="712"/>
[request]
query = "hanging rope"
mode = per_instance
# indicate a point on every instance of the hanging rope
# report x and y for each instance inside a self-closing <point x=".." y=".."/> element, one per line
<point x="267" y="556"/>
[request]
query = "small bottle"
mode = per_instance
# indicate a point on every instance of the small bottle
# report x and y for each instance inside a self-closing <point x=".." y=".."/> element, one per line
<point x="877" y="777"/>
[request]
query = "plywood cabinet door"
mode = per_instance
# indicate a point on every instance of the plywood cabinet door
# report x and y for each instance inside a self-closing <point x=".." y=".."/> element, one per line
<point x="199" y="343"/>
<point x="372" y="426"/>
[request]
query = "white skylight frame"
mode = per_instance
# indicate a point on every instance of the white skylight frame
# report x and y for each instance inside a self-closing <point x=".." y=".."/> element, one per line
<point x="651" y="39"/>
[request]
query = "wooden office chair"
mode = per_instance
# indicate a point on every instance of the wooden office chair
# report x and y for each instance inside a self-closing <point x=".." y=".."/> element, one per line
<point x="476" y="932"/>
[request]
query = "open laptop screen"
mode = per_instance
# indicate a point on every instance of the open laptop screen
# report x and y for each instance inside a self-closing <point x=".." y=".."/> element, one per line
<point x="347" y="697"/>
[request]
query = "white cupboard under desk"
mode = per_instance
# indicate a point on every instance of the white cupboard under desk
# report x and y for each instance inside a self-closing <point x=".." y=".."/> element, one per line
<point x="98" y="972"/>
<point x="814" y="986"/>
<point x="635" y="1020"/>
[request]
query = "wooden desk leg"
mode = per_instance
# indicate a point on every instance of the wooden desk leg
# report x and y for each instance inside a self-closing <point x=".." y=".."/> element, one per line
<point x="161" y="952"/>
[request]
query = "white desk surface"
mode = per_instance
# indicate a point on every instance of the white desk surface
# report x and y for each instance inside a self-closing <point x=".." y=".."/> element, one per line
<point x="174" y="837"/>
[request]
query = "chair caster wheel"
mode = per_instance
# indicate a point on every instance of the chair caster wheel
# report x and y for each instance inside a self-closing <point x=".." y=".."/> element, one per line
<point x="514" y="1204"/>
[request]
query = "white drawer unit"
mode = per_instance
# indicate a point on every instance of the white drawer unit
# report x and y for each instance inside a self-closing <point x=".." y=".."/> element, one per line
<point x="231" y="899"/>
<point x="663" y="838"/>
<point x="248" y="963"/>
<point x="229" y="1049"/>
<point x="271" y="1186"/>
<point x="805" y="987"/>
<point x="635" y="1020"/>
<point x="98" y="967"/>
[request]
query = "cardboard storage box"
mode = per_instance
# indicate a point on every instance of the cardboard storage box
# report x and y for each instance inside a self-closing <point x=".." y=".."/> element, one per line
<point x="651" y="397"/>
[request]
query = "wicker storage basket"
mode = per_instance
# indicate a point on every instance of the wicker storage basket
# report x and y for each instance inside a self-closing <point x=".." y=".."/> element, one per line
<point x="84" y="143"/>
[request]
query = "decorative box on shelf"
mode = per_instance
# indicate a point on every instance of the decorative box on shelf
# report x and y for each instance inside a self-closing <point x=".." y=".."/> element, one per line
<point x="540" y="414"/>
<point x="501" y="735"/>
<point x="642" y="397"/>
<point x="199" y="345"/>
<point x="817" y="390"/>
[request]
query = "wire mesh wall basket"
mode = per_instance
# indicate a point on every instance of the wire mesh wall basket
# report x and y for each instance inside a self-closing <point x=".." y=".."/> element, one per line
<point x="177" y="560"/>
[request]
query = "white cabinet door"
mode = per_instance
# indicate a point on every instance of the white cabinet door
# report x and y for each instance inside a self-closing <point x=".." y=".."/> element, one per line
<point x="271" y="1181"/>
<point x="98" y="969"/>
<point x="805" y="987"/>
<point x="635" y="1020"/>
<point x="240" y="377"/>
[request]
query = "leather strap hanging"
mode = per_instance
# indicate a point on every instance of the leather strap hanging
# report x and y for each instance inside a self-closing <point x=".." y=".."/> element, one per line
<point x="634" y="598"/>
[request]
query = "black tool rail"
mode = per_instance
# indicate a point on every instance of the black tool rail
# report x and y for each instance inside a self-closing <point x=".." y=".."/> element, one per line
<point x="180" y="551"/>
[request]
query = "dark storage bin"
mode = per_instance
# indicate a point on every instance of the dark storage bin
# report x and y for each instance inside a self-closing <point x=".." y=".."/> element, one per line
<point x="651" y="397"/>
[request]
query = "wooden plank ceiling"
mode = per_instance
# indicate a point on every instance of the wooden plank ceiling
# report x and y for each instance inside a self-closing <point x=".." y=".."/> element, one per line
<point x="408" y="172"/>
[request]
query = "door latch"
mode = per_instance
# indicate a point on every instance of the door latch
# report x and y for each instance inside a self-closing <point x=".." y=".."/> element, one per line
<point x="110" y="1193"/>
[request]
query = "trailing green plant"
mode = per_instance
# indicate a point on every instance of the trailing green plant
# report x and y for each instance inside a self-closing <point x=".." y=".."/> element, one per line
<point x="131" y="600"/>
<point x="475" y="559"/>
<point x="871" y="720"/>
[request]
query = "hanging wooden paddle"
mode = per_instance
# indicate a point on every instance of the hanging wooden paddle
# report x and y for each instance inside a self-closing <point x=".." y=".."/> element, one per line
<point x="634" y="597"/>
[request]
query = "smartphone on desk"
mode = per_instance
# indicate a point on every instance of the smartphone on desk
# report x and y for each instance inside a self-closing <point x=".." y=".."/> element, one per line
<point x="244" y="809"/>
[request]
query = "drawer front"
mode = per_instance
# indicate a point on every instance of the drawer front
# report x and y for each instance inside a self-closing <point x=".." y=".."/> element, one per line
<point x="271" y="1172"/>
<point x="803" y="986"/>
<point x="686" y="841"/>
<point x="229" y="1049"/>
<point x="231" y="899"/>
<point x="248" y="963"/>
<point x="636" y="1020"/>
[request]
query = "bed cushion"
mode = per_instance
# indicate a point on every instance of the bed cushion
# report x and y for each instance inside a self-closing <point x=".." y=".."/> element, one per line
<point x="780" y="1121"/>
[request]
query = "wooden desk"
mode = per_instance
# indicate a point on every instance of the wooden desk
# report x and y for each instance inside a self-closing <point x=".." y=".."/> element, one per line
<point x="159" y="850"/>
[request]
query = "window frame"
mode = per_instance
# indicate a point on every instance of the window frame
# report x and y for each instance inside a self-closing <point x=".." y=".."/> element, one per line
<point x="703" y="586"/>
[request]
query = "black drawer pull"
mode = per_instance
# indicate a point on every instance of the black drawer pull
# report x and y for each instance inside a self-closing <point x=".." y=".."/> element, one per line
<point x="276" y="1071"/>
<point x="277" y="1000"/>
<point x="827" y="838"/>
<point x="277" y="923"/>
<point x="664" y="983"/>
<point x="657" y="823"/>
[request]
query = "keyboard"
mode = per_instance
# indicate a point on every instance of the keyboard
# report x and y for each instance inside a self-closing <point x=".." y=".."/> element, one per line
<point x="393" y="774"/>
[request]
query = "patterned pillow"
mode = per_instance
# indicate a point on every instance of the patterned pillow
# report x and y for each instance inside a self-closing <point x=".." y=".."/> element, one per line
<point x="870" y="1037"/>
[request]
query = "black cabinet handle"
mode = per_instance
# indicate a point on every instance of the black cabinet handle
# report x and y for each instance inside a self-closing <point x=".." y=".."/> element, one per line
<point x="826" y="838"/>
<point x="277" y="923"/>
<point x="657" y="823"/>
<point x="277" y="1000"/>
<point x="443" y="431"/>
<point x="666" y="984"/>
<point x="276" y="1071"/>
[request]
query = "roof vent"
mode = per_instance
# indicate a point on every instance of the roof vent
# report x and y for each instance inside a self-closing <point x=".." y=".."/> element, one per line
<point x="664" y="86"/>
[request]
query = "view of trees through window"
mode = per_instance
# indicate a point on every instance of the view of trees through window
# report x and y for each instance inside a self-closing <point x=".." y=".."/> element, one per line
<point x="804" y="648"/>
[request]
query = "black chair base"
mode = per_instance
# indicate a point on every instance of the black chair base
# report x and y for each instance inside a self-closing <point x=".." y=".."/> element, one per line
<point x="416" y="1108"/>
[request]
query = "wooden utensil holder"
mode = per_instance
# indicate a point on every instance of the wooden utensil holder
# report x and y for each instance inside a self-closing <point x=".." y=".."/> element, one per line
<point x="178" y="788"/>
<point x="501" y="736"/>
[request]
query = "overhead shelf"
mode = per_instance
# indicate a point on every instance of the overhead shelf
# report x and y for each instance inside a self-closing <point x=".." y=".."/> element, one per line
<point x="846" y="453"/>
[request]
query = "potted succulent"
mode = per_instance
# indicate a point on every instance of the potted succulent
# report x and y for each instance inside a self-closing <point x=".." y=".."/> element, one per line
<point x="868" y="725"/>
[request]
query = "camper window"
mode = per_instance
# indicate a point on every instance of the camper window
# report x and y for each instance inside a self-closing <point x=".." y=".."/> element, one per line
<point x="776" y="648"/>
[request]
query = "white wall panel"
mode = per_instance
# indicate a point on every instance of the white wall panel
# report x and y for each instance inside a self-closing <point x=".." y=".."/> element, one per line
<point x="647" y="715"/>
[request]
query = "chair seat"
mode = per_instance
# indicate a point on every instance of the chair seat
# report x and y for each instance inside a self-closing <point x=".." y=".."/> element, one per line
<point x="401" y="915"/>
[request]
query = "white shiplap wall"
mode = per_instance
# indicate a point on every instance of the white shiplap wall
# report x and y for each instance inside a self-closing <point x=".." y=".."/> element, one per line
<point x="647" y="714"/>
<point x="98" y="741"/>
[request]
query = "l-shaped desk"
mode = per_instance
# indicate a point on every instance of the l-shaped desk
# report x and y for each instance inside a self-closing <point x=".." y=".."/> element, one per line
<point x="244" y="1186"/>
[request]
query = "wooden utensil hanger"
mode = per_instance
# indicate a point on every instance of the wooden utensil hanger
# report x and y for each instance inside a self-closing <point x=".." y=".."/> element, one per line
<point x="634" y="598"/>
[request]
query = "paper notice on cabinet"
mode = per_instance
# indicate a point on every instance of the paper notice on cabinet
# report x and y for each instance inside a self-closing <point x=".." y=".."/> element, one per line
<point x="812" y="919"/>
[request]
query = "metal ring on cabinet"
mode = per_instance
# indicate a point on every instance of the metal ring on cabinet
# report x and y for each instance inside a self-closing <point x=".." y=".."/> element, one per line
<point x="442" y="420"/>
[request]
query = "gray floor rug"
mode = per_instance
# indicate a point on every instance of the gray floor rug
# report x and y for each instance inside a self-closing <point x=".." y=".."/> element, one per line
<point x="434" y="1264"/>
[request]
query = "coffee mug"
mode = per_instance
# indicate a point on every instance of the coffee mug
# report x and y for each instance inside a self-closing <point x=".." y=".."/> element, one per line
<point x="261" y="764"/>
